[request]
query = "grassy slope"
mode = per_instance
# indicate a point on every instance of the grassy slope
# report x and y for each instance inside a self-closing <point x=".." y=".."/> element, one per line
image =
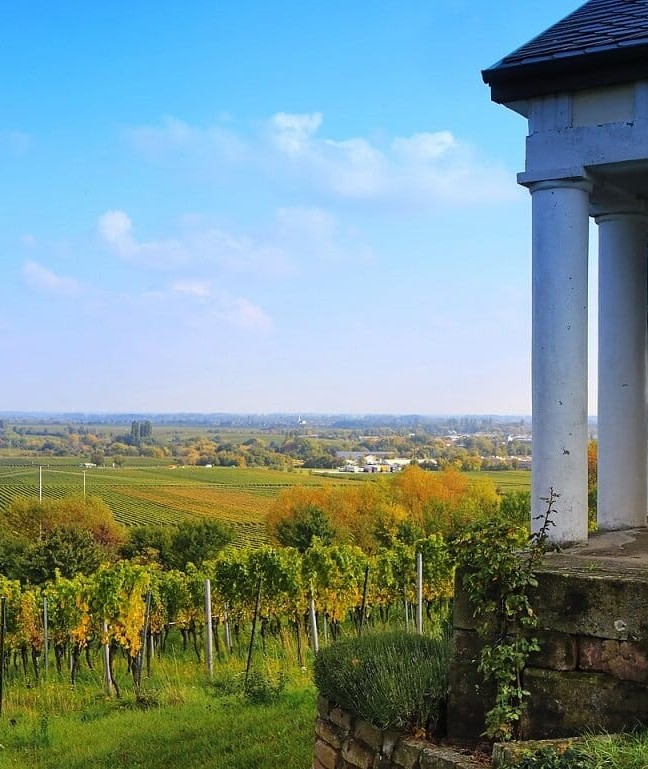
<point x="204" y="733"/>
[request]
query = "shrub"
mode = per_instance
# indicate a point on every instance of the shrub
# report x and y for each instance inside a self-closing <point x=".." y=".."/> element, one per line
<point x="394" y="679"/>
<point x="261" y="689"/>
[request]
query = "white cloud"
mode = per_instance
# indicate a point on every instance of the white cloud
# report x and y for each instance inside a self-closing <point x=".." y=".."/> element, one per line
<point x="310" y="233"/>
<point x="424" y="146"/>
<point x="174" y="136"/>
<point x="292" y="133"/>
<point x="240" y="312"/>
<point x="198" y="288"/>
<point x="28" y="240"/>
<point x="44" y="279"/>
<point x="115" y="230"/>
<point x="424" y="170"/>
<point x="239" y="253"/>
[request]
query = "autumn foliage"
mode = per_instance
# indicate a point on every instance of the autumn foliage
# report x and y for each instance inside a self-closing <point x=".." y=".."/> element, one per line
<point x="406" y="506"/>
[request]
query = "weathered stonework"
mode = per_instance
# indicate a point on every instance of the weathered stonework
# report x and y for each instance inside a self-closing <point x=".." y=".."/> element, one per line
<point x="345" y="742"/>
<point x="591" y="673"/>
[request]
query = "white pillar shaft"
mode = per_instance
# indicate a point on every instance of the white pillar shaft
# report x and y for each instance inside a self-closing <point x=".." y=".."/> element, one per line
<point x="559" y="354"/>
<point x="622" y="425"/>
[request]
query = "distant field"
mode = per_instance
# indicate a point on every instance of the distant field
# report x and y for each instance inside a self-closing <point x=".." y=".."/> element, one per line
<point x="506" y="480"/>
<point x="165" y="495"/>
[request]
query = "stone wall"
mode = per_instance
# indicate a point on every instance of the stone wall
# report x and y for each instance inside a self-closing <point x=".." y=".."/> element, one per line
<point x="592" y="671"/>
<point x="345" y="742"/>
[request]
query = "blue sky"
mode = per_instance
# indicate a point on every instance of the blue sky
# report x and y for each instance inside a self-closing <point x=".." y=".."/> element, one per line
<point x="252" y="206"/>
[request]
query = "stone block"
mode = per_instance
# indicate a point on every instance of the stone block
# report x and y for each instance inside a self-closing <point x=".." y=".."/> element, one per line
<point x="445" y="758"/>
<point x="325" y="754"/>
<point x="596" y="604"/>
<point x="558" y="651"/>
<point x="463" y="612"/>
<point x="468" y="701"/>
<point x="369" y="735"/>
<point x="626" y="660"/>
<point x="390" y="738"/>
<point x="323" y="707"/>
<point x="507" y="754"/>
<point x="407" y="753"/>
<point x="341" y="718"/>
<point x="568" y="704"/>
<point x="358" y="755"/>
<point x="329" y="733"/>
<point x="467" y="646"/>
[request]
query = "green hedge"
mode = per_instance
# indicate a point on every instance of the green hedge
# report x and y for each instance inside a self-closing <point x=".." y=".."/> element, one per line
<point x="392" y="680"/>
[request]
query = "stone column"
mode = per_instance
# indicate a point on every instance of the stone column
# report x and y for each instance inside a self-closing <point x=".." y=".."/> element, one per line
<point x="622" y="413"/>
<point x="559" y="355"/>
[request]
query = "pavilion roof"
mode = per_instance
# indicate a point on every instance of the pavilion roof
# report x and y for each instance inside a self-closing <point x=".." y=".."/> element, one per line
<point x="604" y="42"/>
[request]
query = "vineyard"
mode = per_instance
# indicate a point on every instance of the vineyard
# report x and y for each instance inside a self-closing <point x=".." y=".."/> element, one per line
<point x="239" y="497"/>
<point x="128" y="609"/>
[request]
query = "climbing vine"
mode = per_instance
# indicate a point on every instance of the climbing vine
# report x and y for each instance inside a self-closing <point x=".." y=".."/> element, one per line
<point x="498" y="561"/>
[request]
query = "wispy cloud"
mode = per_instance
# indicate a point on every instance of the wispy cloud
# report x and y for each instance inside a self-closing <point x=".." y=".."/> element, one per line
<point x="115" y="228"/>
<point x="425" y="170"/>
<point x="46" y="280"/>
<point x="242" y="313"/>
<point x="191" y="142"/>
<point x="197" y="288"/>
<point x="298" y="235"/>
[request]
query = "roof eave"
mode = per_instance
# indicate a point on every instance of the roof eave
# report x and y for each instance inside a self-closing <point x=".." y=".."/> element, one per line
<point x="575" y="72"/>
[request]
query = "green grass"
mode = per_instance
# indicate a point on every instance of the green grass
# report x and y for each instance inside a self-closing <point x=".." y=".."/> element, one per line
<point x="616" y="751"/>
<point x="184" y="717"/>
<point x="205" y="730"/>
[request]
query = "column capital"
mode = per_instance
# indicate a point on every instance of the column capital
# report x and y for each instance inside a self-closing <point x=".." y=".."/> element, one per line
<point x="572" y="183"/>
<point x="613" y="212"/>
<point x="575" y="176"/>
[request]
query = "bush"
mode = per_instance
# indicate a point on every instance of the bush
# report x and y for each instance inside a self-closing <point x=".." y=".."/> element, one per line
<point x="392" y="679"/>
<point x="261" y="689"/>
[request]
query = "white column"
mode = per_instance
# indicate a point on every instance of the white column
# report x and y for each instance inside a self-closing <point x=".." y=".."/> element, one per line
<point x="559" y="355"/>
<point x="622" y="415"/>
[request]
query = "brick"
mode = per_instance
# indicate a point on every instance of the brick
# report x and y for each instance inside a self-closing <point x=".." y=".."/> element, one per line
<point x="325" y="754"/>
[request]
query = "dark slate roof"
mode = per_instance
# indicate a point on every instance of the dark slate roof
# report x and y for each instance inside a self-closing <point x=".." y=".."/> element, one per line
<point x="604" y="42"/>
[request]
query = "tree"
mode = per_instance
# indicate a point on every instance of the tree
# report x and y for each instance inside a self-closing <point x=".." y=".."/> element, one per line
<point x="303" y="526"/>
<point x="148" y="544"/>
<point x="30" y="519"/>
<point x="68" y="551"/>
<point x="195" y="542"/>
